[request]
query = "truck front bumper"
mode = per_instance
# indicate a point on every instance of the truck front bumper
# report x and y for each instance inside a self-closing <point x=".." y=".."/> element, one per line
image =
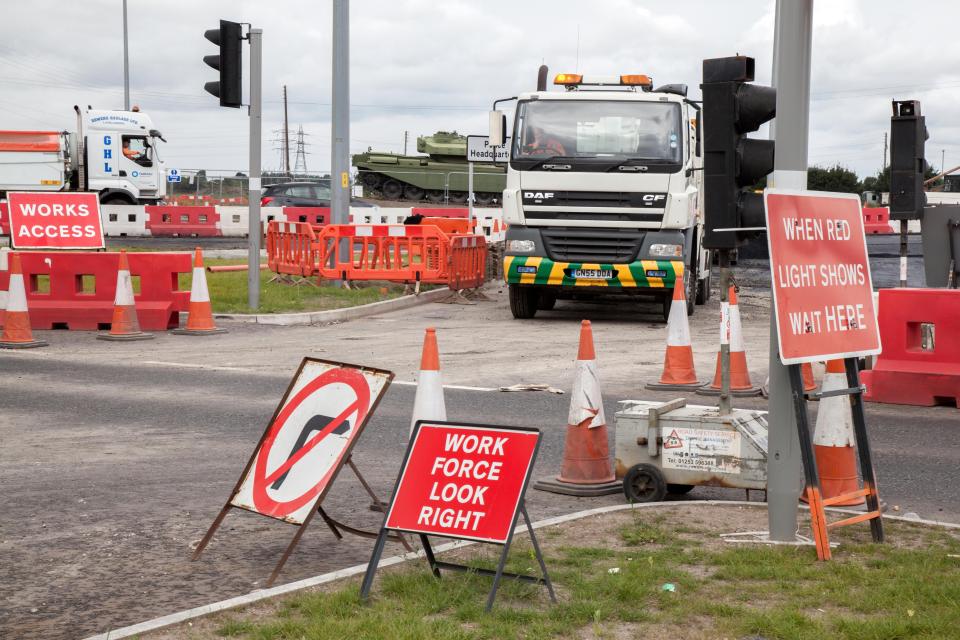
<point x="640" y="274"/>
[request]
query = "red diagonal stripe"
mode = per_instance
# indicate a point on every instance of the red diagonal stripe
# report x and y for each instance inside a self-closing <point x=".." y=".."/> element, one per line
<point x="311" y="443"/>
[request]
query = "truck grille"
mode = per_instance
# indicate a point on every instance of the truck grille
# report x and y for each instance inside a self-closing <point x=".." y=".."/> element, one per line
<point x="595" y="245"/>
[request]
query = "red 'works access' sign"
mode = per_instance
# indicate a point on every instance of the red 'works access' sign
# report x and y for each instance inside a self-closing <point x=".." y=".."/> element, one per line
<point x="820" y="275"/>
<point x="55" y="220"/>
<point x="463" y="481"/>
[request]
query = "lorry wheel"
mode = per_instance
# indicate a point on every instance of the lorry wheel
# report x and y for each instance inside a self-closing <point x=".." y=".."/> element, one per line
<point x="679" y="489"/>
<point x="523" y="301"/>
<point x="116" y="200"/>
<point x="690" y="291"/>
<point x="644" y="483"/>
<point x="665" y="303"/>
<point x="547" y="301"/>
<point x="703" y="290"/>
<point x="392" y="190"/>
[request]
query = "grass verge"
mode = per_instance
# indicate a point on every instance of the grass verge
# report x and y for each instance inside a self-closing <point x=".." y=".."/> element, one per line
<point x="610" y="573"/>
<point x="228" y="292"/>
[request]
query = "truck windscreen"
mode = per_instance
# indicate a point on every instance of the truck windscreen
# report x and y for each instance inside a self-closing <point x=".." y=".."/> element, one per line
<point x="597" y="134"/>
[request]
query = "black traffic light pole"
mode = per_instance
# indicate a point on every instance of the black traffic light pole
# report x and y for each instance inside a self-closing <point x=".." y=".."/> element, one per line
<point x="732" y="163"/>
<point x="229" y="89"/>
<point x="908" y="135"/>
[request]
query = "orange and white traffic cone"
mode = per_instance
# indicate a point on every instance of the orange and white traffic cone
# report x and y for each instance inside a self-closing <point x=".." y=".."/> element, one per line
<point x="428" y="403"/>
<point x="124" y="325"/>
<point x="200" y="314"/>
<point x="586" y="469"/>
<point x="4" y="266"/>
<point x="678" y="369"/>
<point x="740" y="384"/>
<point x="17" y="333"/>
<point x="834" y="440"/>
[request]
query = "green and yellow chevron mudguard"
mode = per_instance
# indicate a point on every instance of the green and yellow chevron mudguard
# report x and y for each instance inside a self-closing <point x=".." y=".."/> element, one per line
<point x="641" y="274"/>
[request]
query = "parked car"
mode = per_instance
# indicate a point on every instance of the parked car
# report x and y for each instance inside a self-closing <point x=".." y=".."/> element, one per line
<point x="303" y="194"/>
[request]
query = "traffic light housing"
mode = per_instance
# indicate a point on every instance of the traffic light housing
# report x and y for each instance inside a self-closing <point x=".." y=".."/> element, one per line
<point x="733" y="162"/>
<point x="908" y="136"/>
<point x="229" y="38"/>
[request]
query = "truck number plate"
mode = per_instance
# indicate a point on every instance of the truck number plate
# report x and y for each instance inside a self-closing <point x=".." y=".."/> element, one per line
<point x="593" y="274"/>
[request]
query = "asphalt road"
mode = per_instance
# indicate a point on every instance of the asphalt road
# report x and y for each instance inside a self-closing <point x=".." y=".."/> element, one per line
<point x="111" y="471"/>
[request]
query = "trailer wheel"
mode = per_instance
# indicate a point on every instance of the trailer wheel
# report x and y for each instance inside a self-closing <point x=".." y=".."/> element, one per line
<point x="413" y="192"/>
<point x="483" y="199"/>
<point x="434" y="196"/>
<point x="679" y="489"/>
<point x="523" y="301"/>
<point x="703" y="290"/>
<point x="690" y="290"/>
<point x="392" y="190"/>
<point x="644" y="483"/>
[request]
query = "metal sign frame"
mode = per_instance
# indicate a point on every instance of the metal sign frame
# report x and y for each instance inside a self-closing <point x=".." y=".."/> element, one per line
<point x="345" y="460"/>
<point x="437" y="565"/>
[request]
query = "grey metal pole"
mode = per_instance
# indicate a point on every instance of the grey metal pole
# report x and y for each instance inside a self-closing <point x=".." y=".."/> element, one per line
<point x="791" y="76"/>
<point x="340" y="121"/>
<point x="126" y="62"/>
<point x="254" y="228"/>
<point x="469" y="193"/>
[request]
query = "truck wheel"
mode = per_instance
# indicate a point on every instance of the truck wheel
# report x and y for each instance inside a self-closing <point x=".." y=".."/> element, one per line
<point x="547" y="301"/>
<point x="523" y="301"/>
<point x="679" y="489"/>
<point x="690" y="291"/>
<point x="666" y="302"/>
<point x="644" y="483"/>
<point x="392" y="190"/>
<point x="116" y="200"/>
<point x="703" y="290"/>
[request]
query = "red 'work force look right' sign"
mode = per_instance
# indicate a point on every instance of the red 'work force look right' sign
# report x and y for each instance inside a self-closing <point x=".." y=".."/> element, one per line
<point x="820" y="276"/>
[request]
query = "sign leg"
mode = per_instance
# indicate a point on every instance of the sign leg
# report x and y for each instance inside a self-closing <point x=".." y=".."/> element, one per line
<point x="863" y="449"/>
<point x="286" y="554"/>
<point x="539" y="554"/>
<point x="500" y="565"/>
<point x="372" y="567"/>
<point x="330" y="523"/>
<point x="811" y="476"/>
<point x="213" y="529"/>
<point x="377" y="503"/>
<point x="428" y="551"/>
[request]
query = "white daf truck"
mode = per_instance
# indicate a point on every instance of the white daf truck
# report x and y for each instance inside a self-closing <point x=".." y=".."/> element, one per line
<point x="112" y="152"/>
<point x="603" y="193"/>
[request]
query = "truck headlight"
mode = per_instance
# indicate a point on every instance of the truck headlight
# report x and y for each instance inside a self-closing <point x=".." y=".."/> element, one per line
<point x="666" y="250"/>
<point x="521" y="246"/>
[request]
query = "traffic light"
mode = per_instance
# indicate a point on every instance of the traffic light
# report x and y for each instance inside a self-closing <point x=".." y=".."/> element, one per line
<point x="732" y="161"/>
<point x="229" y="63"/>
<point x="908" y="135"/>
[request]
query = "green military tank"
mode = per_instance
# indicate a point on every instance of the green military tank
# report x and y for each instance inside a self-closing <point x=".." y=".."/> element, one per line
<point x="438" y="177"/>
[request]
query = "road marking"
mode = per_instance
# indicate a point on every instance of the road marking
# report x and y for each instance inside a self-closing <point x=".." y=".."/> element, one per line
<point x="459" y="387"/>
<point x="188" y="365"/>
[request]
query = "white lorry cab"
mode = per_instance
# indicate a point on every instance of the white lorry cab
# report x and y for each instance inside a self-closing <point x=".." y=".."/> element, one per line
<point x="603" y="193"/>
<point x="113" y="153"/>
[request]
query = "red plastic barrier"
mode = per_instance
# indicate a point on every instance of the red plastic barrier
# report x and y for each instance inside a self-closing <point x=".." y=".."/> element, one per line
<point x="317" y="216"/>
<point x="468" y="262"/>
<point x="453" y="212"/>
<point x="877" y="220"/>
<point x="290" y="248"/>
<point x="4" y="223"/>
<point x="399" y="253"/>
<point x="79" y="288"/>
<point x="175" y="221"/>
<point x="920" y="363"/>
<point x="189" y="200"/>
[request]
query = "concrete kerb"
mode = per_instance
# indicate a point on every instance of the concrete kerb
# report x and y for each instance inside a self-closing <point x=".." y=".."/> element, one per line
<point x="335" y="315"/>
<point x="359" y="569"/>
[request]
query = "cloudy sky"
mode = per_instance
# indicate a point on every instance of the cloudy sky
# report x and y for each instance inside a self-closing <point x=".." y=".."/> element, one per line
<point x="424" y="65"/>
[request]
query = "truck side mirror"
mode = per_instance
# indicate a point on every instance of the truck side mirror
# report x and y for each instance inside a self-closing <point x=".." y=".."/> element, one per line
<point x="498" y="128"/>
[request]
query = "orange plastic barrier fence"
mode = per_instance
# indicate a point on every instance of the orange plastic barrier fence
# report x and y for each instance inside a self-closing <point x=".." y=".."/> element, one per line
<point x="401" y="253"/>
<point x="290" y="248"/>
<point x="450" y="226"/>
<point x="468" y="262"/>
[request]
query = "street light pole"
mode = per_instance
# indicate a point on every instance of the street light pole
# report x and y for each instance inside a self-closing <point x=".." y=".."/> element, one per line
<point x="340" y="121"/>
<point x="254" y="228"/>
<point x="126" y="62"/>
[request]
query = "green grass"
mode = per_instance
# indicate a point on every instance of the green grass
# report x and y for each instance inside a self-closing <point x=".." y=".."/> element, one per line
<point x="228" y="292"/>
<point x="868" y="592"/>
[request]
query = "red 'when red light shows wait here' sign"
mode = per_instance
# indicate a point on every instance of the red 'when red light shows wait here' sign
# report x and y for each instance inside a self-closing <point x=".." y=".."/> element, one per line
<point x="463" y="481"/>
<point x="820" y="276"/>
